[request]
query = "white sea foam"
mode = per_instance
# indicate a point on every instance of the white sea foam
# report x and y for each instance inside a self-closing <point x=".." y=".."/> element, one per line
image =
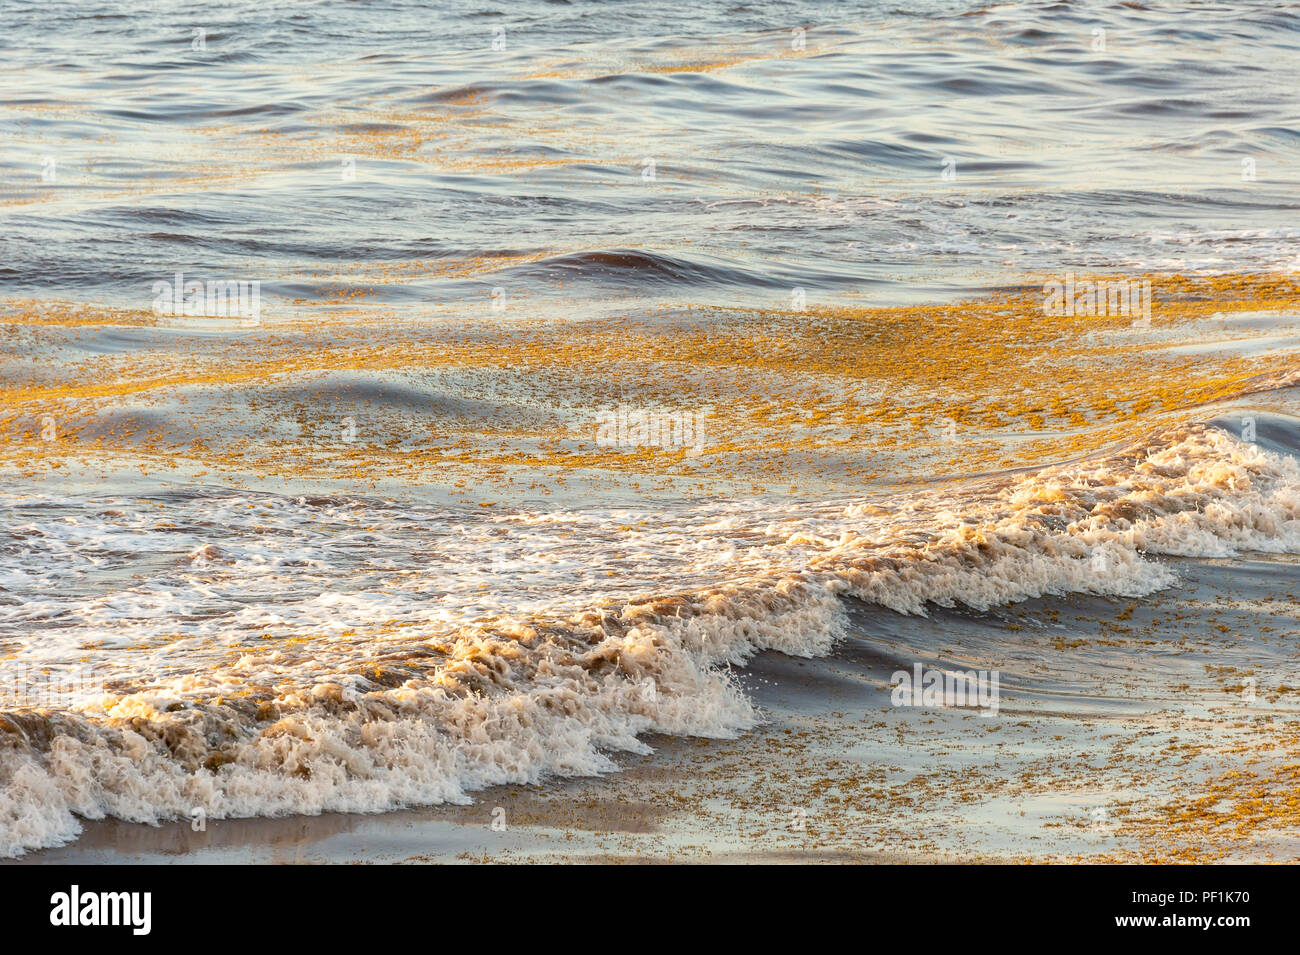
<point x="270" y="656"/>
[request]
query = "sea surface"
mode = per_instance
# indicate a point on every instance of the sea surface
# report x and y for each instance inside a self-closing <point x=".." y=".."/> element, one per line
<point x="597" y="349"/>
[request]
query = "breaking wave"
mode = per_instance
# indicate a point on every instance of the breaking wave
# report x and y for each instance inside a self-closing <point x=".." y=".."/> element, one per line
<point x="408" y="692"/>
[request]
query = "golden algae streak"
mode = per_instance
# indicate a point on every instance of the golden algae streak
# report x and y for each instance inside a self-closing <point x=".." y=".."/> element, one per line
<point x="816" y="401"/>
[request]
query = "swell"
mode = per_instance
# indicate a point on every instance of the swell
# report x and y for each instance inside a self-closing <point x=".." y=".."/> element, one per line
<point x="516" y="701"/>
<point x="650" y="269"/>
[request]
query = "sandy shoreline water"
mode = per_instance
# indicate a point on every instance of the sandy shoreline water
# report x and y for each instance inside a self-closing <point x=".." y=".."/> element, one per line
<point x="1165" y="761"/>
<point x="522" y="436"/>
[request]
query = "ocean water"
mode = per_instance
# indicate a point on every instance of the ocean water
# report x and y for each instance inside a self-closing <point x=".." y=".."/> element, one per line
<point x="597" y="348"/>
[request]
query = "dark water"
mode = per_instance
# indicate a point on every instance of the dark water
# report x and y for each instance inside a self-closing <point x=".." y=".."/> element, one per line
<point x="899" y="154"/>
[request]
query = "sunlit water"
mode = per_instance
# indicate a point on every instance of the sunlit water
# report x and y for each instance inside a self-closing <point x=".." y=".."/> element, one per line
<point x="266" y="652"/>
<point x="881" y="154"/>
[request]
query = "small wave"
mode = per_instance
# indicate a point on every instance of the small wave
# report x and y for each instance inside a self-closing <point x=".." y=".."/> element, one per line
<point x="650" y="269"/>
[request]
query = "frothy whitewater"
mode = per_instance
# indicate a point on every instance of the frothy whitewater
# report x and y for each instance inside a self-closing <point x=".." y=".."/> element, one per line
<point x="267" y="656"/>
